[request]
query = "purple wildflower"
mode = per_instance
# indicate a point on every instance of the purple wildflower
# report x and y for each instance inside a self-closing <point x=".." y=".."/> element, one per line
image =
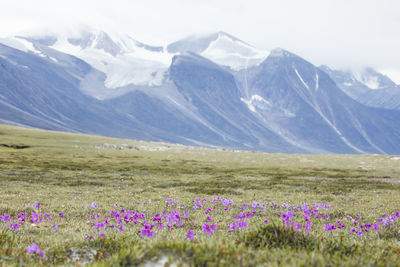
<point x="32" y="248"/>
<point x="329" y="227"/>
<point x="34" y="217"/>
<point x="308" y="226"/>
<point x="190" y="234"/>
<point x="207" y="229"/>
<point x="243" y="224"/>
<point x="13" y="226"/>
<point x="185" y="213"/>
<point x="5" y="218"/>
<point x="35" y="248"/>
<point x="296" y="226"/>
<point x="234" y="225"/>
<point x="146" y="232"/>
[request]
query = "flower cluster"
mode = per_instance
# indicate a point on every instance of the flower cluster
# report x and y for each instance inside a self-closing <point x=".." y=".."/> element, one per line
<point x="152" y="219"/>
<point x="33" y="248"/>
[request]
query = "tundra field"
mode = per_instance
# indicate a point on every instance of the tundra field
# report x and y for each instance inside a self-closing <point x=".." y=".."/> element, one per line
<point x="69" y="199"/>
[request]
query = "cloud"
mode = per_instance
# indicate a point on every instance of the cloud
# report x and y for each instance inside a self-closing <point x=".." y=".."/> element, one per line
<point x="339" y="33"/>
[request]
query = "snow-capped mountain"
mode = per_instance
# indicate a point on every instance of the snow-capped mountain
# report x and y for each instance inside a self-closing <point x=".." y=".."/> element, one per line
<point x="123" y="61"/>
<point x="214" y="91"/>
<point x="222" y="48"/>
<point x="127" y="64"/>
<point x="368" y="87"/>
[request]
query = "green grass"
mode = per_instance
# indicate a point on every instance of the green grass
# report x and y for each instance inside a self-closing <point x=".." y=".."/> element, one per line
<point x="65" y="172"/>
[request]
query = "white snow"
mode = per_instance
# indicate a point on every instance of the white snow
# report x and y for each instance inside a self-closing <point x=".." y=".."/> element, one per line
<point x="301" y="79"/>
<point x="316" y="81"/>
<point x="21" y="44"/>
<point x="133" y="65"/>
<point x="233" y="53"/>
<point x="129" y="63"/>
<point x="63" y="45"/>
<point x="370" y="81"/>
<point x="256" y="101"/>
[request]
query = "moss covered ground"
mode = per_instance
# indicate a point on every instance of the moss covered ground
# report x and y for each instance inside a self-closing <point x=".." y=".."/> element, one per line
<point x="111" y="202"/>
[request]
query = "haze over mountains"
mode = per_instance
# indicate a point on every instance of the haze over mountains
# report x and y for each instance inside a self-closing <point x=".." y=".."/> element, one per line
<point x="213" y="90"/>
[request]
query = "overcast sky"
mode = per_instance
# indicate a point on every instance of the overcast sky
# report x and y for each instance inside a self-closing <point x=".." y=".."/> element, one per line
<point x="339" y="33"/>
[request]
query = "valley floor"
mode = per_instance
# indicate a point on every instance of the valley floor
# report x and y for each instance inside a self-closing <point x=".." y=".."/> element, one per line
<point x="77" y="199"/>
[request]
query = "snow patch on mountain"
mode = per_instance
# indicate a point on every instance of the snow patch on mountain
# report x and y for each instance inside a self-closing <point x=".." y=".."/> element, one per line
<point x="21" y="44"/>
<point x="221" y="48"/>
<point x="256" y="101"/>
<point x="233" y="53"/>
<point x="122" y="59"/>
<point x="368" y="80"/>
<point x="316" y="81"/>
<point x="301" y="79"/>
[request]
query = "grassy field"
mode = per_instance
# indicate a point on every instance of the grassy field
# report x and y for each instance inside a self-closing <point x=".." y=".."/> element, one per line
<point x="101" y="201"/>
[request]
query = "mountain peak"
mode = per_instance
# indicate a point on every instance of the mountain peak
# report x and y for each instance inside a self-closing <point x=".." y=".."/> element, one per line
<point x="227" y="35"/>
<point x="279" y="52"/>
<point x="222" y="48"/>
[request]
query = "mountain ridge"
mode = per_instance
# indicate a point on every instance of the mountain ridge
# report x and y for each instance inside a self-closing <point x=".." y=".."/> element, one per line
<point x="226" y="95"/>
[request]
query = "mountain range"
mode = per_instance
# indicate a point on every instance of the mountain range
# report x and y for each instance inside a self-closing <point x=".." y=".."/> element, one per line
<point x="213" y="90"/>
<point x="368" y="87"/>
